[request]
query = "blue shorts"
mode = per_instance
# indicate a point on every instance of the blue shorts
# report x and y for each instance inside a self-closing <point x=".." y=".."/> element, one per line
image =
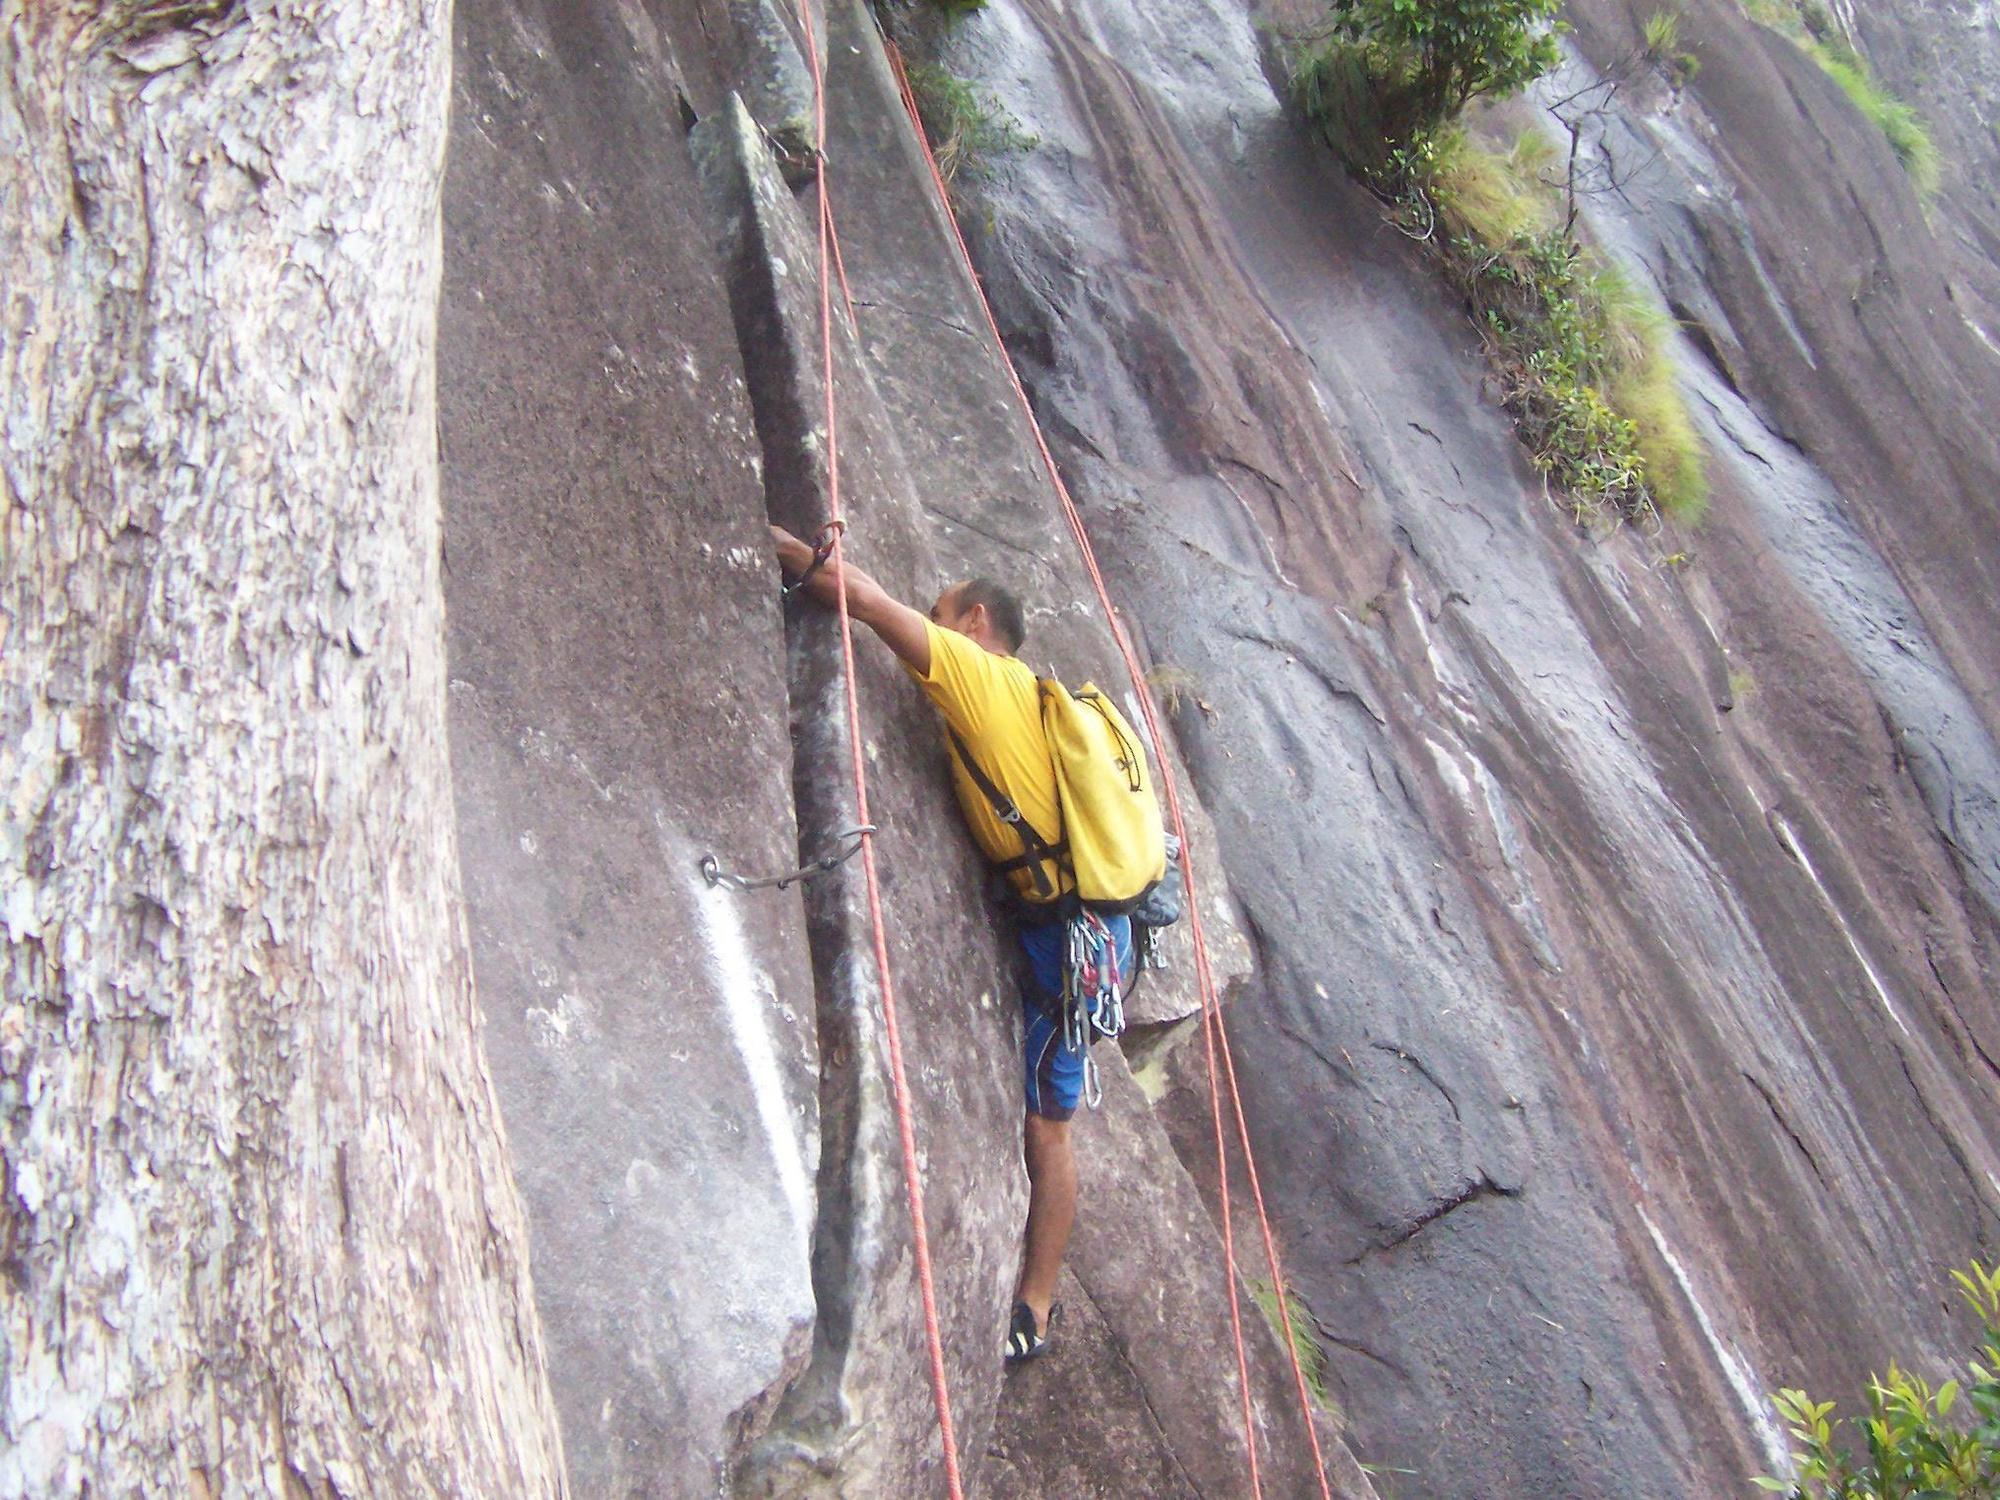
<point x="1055" y="1069"/>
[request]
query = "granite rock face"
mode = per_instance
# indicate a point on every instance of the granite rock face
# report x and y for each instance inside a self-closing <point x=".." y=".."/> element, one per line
<point x="1607" y="923"/>
<point x="652" y="1037"/>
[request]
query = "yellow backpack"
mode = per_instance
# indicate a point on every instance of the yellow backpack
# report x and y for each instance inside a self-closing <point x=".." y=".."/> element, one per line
<point x="1112" y="843"/>
<point x="1111" y="819"/>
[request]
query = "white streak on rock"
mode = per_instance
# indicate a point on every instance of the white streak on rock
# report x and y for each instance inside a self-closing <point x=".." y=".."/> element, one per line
<point x="1741" y="1378"/>
<point x="1797" y="851"/>
<point x="729" y="958"/>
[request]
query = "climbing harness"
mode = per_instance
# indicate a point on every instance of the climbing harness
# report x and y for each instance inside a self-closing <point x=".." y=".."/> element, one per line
<point x="1215" y="1037"/>
<point x="714" y="874"/>
<point x="823" y="546"/>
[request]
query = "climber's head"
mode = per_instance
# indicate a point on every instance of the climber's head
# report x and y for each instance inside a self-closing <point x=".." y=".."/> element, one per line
<point x="983" y="611"/>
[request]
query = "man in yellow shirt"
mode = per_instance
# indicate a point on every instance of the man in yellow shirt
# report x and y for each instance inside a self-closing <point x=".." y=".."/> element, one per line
<point x="963" y="656"/>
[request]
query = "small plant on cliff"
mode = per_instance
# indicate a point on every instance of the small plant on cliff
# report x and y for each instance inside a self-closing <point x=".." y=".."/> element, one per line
<point x="1305" y="1335"/>
<point x="968" y="127"/>
<point x="1916" y="1448"/>
<point x="1664" y="50"/>
<point x="1900" y="124"/>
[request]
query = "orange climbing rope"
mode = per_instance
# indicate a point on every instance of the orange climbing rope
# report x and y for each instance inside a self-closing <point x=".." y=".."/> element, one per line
<point x="1215" y="1036"/>
<point x="899" y="1083"/>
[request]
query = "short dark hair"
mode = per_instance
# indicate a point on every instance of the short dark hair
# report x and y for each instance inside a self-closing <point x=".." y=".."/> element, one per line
<point x="1002" y="608"/>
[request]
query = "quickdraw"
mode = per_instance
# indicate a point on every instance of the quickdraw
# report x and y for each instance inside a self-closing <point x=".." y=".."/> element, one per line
<point x="823" y="541"/>
<point x="714" y="874"/>
<point x="1093" y="998"/>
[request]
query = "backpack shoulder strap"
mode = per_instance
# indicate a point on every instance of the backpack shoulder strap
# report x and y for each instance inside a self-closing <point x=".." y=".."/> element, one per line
<point x="1037" y="850"/>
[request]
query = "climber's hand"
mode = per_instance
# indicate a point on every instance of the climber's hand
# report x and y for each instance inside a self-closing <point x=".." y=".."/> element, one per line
<point x="794" y="556"/>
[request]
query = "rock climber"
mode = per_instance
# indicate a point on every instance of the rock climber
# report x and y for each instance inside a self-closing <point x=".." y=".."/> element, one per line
<point x="963" y="655"/>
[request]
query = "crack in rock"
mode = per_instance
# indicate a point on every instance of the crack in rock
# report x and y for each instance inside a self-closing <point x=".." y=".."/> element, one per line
<point x="1402" y="1055"/>
<point x="1771" y="1103"/>
<point x="1470" y="1191"/>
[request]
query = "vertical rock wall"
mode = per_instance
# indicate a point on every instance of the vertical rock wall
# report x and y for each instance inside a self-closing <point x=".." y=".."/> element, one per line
<point x="618" y="698"/>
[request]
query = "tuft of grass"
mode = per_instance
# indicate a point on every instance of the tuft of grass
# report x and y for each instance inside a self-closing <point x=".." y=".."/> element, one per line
<point x="968" y="126"/>
<point x="1779" y="15"/>
<point x="1493" y="196"/>
<point x="1663" y="47"/>
<point x="1663" y="35"/>
<point x="1173" y="686"/>
<point x="1333" y="86"/>
<point x="1807" y="23"/>
<point x="1899" y="122"/>
<point x="1305" y="1334"/>
<point x="1639" y="379"/>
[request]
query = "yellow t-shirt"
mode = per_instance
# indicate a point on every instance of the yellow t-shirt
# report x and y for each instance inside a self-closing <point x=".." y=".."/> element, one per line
<point x="996" y="707"/>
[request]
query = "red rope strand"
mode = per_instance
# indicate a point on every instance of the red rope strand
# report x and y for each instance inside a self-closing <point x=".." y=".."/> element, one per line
<point x="905" y="1124"/>
<point x="1211" y="1003"/>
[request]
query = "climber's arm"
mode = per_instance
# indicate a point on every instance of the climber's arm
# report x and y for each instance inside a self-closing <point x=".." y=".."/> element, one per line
<point x="902" y="628"/>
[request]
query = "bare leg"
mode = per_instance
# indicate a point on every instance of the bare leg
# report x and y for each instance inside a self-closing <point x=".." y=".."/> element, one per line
<point x="1051" y="1212"/>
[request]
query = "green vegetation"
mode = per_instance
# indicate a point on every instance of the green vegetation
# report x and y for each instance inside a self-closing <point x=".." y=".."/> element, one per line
<point x="1582" y="356"/>
<point x="1807" y="23"/>
<point x="1425" y="62"/>
<point x="1663" y="47"/>
<point x="1305" y="1333"/>
<point x="1638" y="377"/>
<point x="1897" y="121"/>
<point x="968" y="127"/>
<point x="1915" y="1451"/>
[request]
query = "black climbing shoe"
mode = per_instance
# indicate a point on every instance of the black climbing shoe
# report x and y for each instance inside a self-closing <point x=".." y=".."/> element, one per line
<point x="1023" y="1340"/>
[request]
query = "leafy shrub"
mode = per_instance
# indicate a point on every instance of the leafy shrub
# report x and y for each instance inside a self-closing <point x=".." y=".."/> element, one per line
<point x="1914" y="1451"/>
<point x="1393" y="70"/>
